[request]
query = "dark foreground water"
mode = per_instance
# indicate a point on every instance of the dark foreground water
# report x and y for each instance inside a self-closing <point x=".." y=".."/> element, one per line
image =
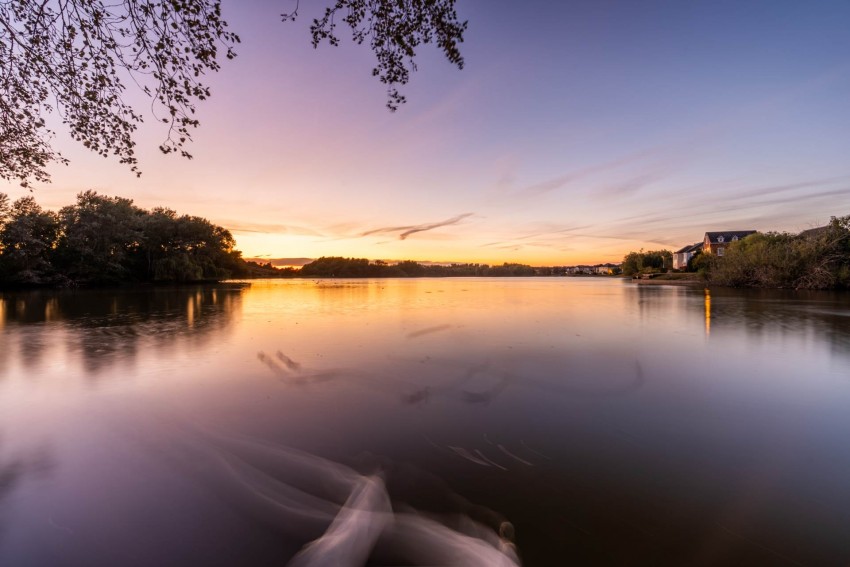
<point x="424" y="422"/>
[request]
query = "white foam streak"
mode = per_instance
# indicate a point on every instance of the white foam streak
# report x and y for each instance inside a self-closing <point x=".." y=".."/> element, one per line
<point x="352" y="514"/>
<point x="427" y="542"/>
<point x="349" y="540"/>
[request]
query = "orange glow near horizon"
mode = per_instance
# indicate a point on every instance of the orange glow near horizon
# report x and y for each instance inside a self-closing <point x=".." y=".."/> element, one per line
<point x="467" y="249"/>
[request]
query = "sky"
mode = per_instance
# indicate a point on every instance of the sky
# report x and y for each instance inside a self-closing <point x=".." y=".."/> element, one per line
<point x="576" y="132"/>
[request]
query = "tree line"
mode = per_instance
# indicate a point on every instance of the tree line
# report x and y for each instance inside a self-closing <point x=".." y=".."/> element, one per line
<point x="102" y="240"/>
<point x="338" y="267"/>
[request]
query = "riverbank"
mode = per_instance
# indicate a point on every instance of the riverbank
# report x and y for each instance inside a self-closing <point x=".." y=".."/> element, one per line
<point x="687" y="278"/>
<point x="658" y="281"/>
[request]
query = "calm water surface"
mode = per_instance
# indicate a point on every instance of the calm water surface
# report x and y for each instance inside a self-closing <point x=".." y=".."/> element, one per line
<point x="561" y="421"/>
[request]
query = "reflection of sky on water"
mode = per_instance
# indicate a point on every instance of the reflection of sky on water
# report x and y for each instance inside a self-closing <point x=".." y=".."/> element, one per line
<point x="16" y="469"/>
<point x="609" y="423"/>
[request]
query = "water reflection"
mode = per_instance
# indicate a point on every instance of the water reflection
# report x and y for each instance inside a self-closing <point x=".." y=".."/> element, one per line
<point x="762" y="315"/>
<point x="17" y="468"/>
<point x="409" y="421"/>
<point x="102" y="328"/>
<point x="824" y="317"/>
<point x="345" y="517"/>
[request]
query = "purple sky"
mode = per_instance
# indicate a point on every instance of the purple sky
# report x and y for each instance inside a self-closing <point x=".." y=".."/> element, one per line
<point x="577" y="131"/>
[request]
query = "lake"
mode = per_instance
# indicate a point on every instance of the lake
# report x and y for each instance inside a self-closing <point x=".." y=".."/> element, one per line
<point x="547" y="421"/>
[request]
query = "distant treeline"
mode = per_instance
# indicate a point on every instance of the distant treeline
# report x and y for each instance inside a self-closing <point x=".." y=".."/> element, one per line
<point x="813" y="259"/>
<point x="337" y="267"/>
<point x="108" y="240"/>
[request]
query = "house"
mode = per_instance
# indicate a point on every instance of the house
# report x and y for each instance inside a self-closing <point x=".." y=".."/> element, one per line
<point x="681" y="257"/>
<point x="717" y="242"/>
<point x="608" y="269"/>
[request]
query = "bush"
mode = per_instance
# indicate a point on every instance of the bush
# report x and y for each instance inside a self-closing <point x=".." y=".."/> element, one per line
<point x="814" y="260"/>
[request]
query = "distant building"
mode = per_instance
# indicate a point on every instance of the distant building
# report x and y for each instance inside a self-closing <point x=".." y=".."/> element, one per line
<point x="608" y="269"/>
<point x="683" y="256"/>
<point x="717" y="242"/>
<point x="597" y="270"/>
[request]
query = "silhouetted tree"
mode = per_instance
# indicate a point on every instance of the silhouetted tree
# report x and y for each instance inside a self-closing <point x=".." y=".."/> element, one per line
<point x="100" y="235"/>
<point x="77" y="57"/>
<point x="4" y="215"/>
<point x="108" y="240"/>
<point x="411" y="269"/>
<point x="646" y="262"/>
<point x="26" y="239"/>
<point x="186" y="248"/>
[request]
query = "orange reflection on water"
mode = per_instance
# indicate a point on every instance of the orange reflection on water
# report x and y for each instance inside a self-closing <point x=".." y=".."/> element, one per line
<point x="707" y="312"/>
<point x="51" y="311"/>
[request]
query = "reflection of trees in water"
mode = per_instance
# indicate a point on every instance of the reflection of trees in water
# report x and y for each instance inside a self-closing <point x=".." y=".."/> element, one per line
<point x="105" y="326"/>
<point x="654" y="300"/>
<point x="760" y="313"/>
<point x="824" y="315"/>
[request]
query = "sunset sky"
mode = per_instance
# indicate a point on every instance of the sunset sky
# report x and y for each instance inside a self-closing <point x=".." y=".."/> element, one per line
<point x="579" y="130"/>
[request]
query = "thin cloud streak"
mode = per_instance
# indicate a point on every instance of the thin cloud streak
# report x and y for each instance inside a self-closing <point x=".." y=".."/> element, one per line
<point x="628" y="187"/>
<point x="706" y="209"/>
<point x="568" y="178"/>
<point x="406" y="231"/>
<point x="268" y="228"/>
<point x="537" y="234"/>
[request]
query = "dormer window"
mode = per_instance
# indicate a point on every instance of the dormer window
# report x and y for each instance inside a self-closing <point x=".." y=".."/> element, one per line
<point x="734" y="238"/>
<point x="720" y="238"/>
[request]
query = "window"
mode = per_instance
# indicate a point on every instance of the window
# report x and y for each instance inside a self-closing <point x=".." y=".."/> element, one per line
<point x="734" y="238"/>
<point x="720" y="238"/>
<point x="720" y="251"/>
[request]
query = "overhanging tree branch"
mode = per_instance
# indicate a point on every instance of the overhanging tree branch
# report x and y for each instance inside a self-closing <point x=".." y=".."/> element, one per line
<point x="393" y="29"/>
<point x="76" y="57"/>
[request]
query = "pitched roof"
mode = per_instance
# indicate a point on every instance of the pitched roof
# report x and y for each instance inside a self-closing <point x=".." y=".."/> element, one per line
<point x="727" y="236"/>
<point x="689" y="248"/>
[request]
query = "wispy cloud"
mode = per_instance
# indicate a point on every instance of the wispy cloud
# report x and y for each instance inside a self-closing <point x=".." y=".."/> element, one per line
<point x="267" y="228"/>
<point x="628" y="187"/>
<point x="579" y="174"/>
<point x="774" y="189"/>
<point x="405" y="231"/>
<point x="549" y="231"/>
